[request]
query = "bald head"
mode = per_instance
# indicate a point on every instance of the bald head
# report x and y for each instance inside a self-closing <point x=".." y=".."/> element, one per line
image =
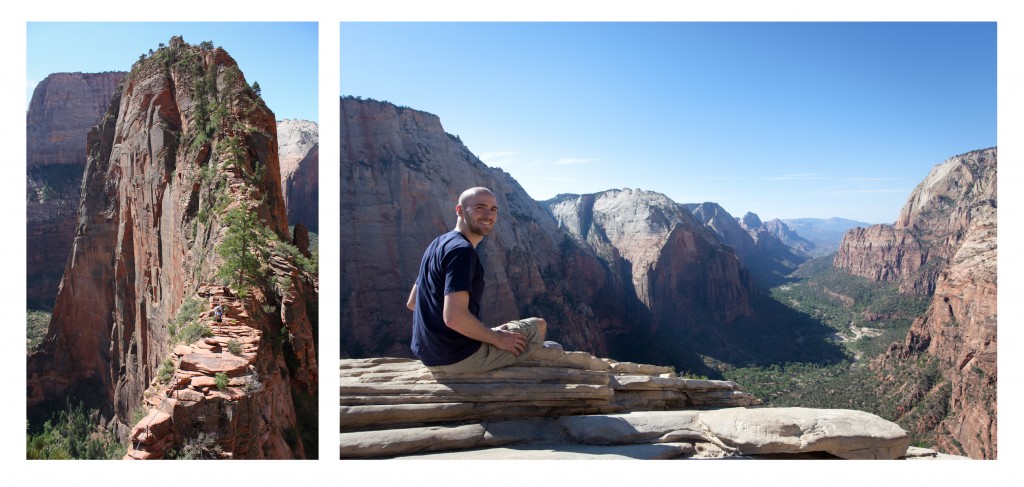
<point x="471" y="192"/>
<point x="477" y="211"/>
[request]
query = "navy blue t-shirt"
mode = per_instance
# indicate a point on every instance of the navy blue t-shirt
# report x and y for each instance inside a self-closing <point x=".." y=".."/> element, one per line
<point x="450" y="264"/>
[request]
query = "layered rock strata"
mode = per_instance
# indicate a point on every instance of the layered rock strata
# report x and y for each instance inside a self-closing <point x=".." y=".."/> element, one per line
<point x="185" y="141"/>
<point x="945" y="244"/>
<point x="678" y="270"/>
<point x="570" y="403"/>
<point x="299" y="150"/>
<point x="63" y="108"/>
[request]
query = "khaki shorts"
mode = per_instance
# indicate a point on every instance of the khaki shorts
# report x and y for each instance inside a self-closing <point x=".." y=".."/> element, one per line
<point x="489" y="357"/>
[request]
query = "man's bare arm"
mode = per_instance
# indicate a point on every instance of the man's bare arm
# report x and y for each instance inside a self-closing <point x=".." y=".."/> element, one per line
<point x="457" y="317"/>
<point x="411" y="303"/>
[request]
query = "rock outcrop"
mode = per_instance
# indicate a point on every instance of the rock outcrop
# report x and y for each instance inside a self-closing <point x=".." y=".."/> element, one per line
<point x="574" y="405"/>
<point x="63" y="108"/>
<point x="299" y="149"/>
<point x="760" y="246"/>
<point x="944" y="245"/>
<point x="678" y="270"/>
<point x="184" y="142"/>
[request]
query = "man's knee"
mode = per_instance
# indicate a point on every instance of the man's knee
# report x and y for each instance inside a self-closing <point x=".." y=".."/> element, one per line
<point x="542" y="327"/>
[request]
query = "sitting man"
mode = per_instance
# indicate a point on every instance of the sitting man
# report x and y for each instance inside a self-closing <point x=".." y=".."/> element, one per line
<point x="447" y="334"/>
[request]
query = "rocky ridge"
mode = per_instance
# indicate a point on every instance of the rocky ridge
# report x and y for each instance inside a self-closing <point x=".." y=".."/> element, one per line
<point x="184" y="141"/>
<point x="574" y="405"/>
<point x="678" y="270"/>
<point x="945" y="245"/>
<point x="299" y="150"/>
<point x="760" y="246"/>
<point x="64" y="106"/>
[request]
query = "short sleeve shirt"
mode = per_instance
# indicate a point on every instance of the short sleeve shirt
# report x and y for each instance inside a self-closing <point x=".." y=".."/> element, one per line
<point x="450" y="264"/>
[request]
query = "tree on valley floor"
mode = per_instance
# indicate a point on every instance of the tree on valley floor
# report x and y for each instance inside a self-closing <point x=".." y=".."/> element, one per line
<point x="244" y="250"/>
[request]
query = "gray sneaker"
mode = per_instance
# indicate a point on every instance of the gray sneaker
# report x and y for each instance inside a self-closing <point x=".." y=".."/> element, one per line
<point x="551" y="344"/>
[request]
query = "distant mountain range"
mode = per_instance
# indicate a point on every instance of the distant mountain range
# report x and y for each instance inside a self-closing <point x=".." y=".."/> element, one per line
<point x="826" y="234"/>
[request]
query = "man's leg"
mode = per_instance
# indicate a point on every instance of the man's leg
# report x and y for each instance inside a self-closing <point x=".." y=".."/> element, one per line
<point x="489" y="357"/>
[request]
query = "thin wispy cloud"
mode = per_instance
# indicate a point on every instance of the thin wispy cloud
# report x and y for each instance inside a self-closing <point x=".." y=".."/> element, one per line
<point x="497" y="155"/>
<point x="856" y="192"/>
<point x="869" y="180"/>
<point x="555" y="178"/>
<point x="572" y="160"/>
<point x="798" y="177"/>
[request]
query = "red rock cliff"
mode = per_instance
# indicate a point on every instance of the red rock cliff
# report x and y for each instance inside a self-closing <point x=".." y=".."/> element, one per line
<point x="63" y="108"/>
<point x="184" y="141"/>
<point x="944" y="244"/>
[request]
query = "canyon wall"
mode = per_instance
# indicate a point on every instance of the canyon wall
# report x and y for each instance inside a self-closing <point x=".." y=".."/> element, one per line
<point x="676" y="267"/>
<point x="299" y="149"/>
<point x="944" y="245"/>
<point x="183" y="142"/>
<point x="63" y="108"/>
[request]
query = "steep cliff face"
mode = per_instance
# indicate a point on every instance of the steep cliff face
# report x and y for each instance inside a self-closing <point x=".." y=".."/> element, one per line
<point x="63" y="108"/>
<point x="184" y="142"/>
<point x="299" y="148"/>
<point x="677" y="269"/>
<point x="930" y="228"/>
<point x="401" y="176"/>
<point x="758" y="245"/>
<point x="944" y="244"/>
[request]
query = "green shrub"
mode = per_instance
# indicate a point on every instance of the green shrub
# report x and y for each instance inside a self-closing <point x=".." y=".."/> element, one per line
<point x="38" y="322"/>
<point x="221" y="380"/>
<point x="202" y="447"/>
<point x="194" y="331"/>
<point x="234" y="347"/>
<point x="73" y="433"/>
<point x="166" y="370"/>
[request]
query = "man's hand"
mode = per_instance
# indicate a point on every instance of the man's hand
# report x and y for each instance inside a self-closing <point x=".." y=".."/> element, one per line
<point x="509" y="341"/>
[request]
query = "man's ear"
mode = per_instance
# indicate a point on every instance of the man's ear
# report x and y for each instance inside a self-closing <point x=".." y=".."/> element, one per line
<point x="458" y="210"/>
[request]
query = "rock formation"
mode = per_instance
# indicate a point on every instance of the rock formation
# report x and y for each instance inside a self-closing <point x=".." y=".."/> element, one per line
<point x="401" y="176"/>
<point x="561" y="404"/>
<point x="677" y="269"/>
<point x="299" y="149"/>
<point x="759" y="246"/>
<point x="184" y="142"/>
<point x="63" y="108"/>
<point x="944" y="245"/>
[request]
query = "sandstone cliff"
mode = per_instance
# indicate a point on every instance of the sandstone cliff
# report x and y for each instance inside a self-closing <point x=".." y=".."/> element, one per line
<point x="63" y="108"/>
<point x="944" y="245"/>
<point x="401" y="176"/>
<point x="299" y="150"/>
<point x="184" y="142"/>
<point x="759" y="246"/>
<point x="677" y="269"/>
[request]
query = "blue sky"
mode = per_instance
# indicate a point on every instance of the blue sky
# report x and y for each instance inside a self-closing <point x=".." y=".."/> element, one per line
<point x="787" y="120"/>
<point x="282" y="57"/>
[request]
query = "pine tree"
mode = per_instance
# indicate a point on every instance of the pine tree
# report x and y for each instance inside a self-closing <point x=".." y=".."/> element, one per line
<point x="244" y="250"/>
